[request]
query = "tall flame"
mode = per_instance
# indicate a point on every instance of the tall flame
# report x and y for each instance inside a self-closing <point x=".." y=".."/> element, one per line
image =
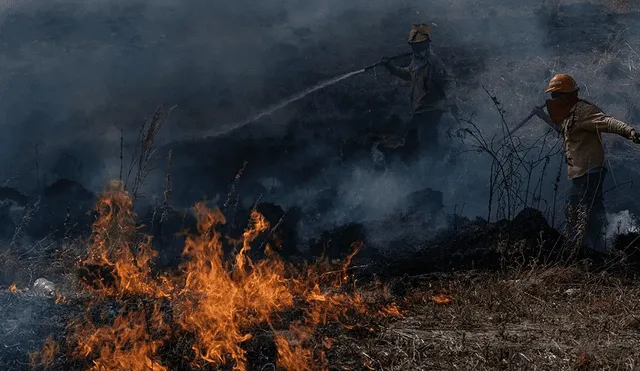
<point x="114" y="245"/>
<point x="218" y="300"/>
<point x="220" y="303"/>
<point x="127" y="344"/>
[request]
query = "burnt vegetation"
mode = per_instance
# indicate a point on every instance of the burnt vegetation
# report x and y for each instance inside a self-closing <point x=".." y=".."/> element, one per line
<point x="144" y="283"/>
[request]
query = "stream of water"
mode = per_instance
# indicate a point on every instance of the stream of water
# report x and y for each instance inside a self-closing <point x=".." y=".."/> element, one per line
<point x="285" y="102"/>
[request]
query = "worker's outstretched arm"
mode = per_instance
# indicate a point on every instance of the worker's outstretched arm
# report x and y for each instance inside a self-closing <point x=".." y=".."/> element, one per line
<point x="402" y="73"/>
<point x="598" y="121"/>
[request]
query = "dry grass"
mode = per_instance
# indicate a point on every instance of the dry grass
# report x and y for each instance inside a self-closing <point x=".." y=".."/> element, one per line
<point x="550" y="319"/>
<point x="23" y="266"/>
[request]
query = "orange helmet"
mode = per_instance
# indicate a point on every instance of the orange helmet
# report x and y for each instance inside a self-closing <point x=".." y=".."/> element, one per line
<point x="562" y="83"/>
<point x="419" y="33"/>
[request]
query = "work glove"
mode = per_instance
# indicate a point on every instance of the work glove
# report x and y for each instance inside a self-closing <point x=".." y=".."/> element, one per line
<point x="635" y="137"/>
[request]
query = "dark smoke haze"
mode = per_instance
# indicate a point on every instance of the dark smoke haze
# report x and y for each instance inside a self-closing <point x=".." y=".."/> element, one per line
<point x="73" y="74"/>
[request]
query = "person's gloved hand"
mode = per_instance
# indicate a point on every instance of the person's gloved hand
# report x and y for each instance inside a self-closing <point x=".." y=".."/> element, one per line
<point x="635" y="137"/>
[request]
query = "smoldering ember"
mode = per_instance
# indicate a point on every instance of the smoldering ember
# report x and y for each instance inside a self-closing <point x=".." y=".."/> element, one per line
<point x="364" y="185"/>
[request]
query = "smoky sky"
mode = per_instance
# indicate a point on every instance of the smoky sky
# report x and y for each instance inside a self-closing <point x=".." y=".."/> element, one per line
<point x="73" y="74"/>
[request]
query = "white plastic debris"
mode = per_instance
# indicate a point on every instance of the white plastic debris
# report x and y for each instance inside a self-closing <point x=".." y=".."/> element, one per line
<point x="572" y="291"/>
<point x="44" y="287"/>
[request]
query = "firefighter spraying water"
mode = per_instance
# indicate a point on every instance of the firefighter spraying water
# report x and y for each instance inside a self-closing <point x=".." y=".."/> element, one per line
<point x="433" y="92"/>
<point x="296" y="97"/>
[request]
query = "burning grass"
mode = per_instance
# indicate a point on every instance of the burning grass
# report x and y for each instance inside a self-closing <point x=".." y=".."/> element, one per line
<point x="223" y="310"/>
<point x="209" y="313"/>
<point x="45" y="356"/>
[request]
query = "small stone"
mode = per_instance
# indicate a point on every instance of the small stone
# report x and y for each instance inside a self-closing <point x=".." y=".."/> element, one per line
<point x="44" y="287"/>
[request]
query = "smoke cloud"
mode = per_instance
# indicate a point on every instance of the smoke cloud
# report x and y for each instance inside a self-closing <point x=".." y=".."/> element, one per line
<point x="74" y="74"/>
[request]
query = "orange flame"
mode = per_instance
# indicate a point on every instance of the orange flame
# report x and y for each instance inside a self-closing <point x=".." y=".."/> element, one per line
<point x="60" y="298"/>
<point x="112" y="247"/>
<point x="391" y="310"/>
<point x="292" y="354"/>
<point x="443" y="298"/>
<point x="327" y="343"/>
<point x="217" y="300"/>
<point x="13" y="288"/>
<point x="218" y="306"/>
<point x="45" y="356"/>
<point x="125" y="345"/>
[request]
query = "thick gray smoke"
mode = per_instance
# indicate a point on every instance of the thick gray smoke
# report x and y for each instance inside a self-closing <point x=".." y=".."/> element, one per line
<point x="75" y="73"/>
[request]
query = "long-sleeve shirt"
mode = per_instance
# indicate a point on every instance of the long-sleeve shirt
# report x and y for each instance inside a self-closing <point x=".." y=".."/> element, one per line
<point x="432" y="86"/>
<point x="582" y="137"/>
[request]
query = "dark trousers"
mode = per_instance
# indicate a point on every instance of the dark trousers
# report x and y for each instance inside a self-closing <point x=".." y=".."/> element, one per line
<point x="422" y="136"/>
<point x="586" y="216"/>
